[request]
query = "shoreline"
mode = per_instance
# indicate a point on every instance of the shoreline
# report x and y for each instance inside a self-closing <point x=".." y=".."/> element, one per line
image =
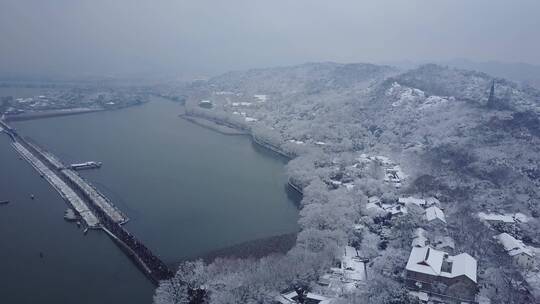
<point x="50" y="113"/>
<point x="212" y="125"/>
<point x="256" y="249"/>
<point x="227" y="129"/>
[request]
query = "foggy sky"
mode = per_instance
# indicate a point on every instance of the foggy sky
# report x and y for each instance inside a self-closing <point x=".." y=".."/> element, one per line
<point x="203" y="37"/>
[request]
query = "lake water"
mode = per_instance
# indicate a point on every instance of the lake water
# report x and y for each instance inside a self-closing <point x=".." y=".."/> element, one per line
<point x="186" y="189"/>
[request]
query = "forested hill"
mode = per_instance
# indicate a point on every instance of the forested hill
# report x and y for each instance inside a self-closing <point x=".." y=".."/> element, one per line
<point x="359" y="131"/>
<point x="309" y="78"/>
<point x="430" y="114"/>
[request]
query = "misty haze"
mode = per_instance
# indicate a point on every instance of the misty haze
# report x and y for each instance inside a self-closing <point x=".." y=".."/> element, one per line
<point x="312" y="152"/>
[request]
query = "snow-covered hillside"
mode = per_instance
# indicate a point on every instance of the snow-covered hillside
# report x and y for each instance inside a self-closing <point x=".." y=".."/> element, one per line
<point x="362" y="135"/>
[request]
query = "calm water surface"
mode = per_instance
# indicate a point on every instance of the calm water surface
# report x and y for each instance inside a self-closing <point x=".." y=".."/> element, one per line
<point x="187" y="190"/>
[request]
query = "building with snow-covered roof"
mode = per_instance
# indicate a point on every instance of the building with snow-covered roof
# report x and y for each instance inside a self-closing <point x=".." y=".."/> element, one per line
<point x="412" y="200"/>
<point x="435" y="214"/>
<point x="522" y="254"/>
<point x="418" y="205"/>
<point x="419" y="238"/>
<point x="394" y="209"/>
<point x="427" y="266"/>
<point x="492" y="218"/>
<point x="432" y="201"/>
<point x="260" y="97"/>
<point x="415" y="205"/>
<point x="506" y="218"/>
<point x="206" y="104"/>
<point x="374" y="200"/>
<point x="374" y="209"/>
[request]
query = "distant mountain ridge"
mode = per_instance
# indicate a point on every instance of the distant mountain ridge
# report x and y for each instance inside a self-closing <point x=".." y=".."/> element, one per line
<point x="520" y="72"/>
<point x="310" y="77"/>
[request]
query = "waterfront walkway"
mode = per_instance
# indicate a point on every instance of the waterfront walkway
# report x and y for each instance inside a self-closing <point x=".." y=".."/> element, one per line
<point x="73" y="199"/>
<point x="95" y="196"/>
<point x="93" y="207"/>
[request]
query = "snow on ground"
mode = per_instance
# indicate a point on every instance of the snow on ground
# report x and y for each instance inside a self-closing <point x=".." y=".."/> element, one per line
<point x="404" y="94"/>
<point x="349" y="186"/>
<point x="298" y="142"/>
<point x="520" y="217"/>
<point x="351" y="271"/>
<point x="533" y="279"/>
<point x="432" y="101"/>
<point x="251" y="119"/>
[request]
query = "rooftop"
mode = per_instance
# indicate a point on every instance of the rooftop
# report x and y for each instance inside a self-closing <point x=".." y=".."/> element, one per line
<point x="514" y="246"/>
<point x="433" y="213"/>
<point x="496" y="217"/>
<point x="430" y="261"/>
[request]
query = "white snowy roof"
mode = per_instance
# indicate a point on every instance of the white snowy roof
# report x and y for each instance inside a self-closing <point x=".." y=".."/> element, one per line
<point x="260" y="97"/>
<point x="433" y="213"/>
<point x="514" y="246"/>
<point x="298" y="142"/>
<point x="374" y="208"/>
<point x="374" y="199"/>
<point x="419" y="232"/>
<point x="412" y="200"/>
<point x="429" y="261"/>
<point x="425" y="260"/>
<point x="496" y="217"/>
<point x="462" y="264"/>
<point x="394" y="209"/>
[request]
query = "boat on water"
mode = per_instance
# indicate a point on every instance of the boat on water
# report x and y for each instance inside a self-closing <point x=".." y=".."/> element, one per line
<point x="86" y="165"/>
<point x="70" y="215"/>
<point x="4" y="202"/>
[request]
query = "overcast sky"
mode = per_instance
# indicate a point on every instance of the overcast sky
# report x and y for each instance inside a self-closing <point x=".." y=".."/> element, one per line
<point x="203" y="37"/>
